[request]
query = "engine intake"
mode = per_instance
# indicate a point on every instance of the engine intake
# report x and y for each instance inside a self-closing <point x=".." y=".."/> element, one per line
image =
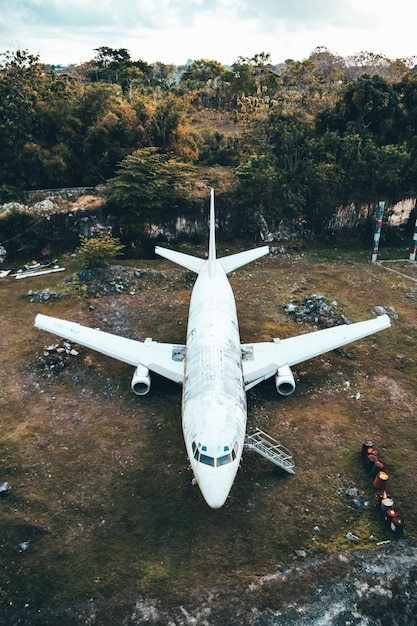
<point x="141" y="381"/>
<point x="284" y="381"/>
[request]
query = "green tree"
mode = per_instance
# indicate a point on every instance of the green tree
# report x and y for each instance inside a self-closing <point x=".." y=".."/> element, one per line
<point x="275" y="167"/>
<point x="100" y="251"/>
<point x="20" y="76"/>
<point x="115" y="66"/>
<point x="203" y="78"/>
<point x="370" y="105"/>
<point x="171" y="129"/>
<point x="150" y="187"/>
<point x="109" y="131"/>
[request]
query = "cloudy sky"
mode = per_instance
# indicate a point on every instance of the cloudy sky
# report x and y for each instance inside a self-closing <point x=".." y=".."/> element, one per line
<point x="172" y="31"/>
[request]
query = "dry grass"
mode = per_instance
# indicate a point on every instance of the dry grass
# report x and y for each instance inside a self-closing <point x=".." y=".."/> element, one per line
<point x="101" y="487"/>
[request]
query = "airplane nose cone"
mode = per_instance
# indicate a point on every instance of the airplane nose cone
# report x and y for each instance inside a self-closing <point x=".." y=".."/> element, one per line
<point x="215" y="500"/>
<point x="215" y="488"/>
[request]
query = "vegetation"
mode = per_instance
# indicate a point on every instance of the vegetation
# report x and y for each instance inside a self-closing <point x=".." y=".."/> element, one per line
<point x="301" y="137"/>
<point x="99" y="251"/>
<point x="102" y="516"/>
<point x="150" y="186"/>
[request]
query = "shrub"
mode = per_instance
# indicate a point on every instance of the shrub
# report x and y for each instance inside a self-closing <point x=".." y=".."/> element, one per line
<point x="98" y="252"/>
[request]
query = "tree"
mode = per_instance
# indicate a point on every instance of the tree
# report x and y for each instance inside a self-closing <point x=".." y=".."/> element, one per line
<point x="20" y="76"/>
<point x="100" y="251"/>
<point x="372" y="106"/>
<point x="150" y="187"/>
<point x="171" y="130"/>
<point x="115" y="66"/>
<point x="275" y="167"/>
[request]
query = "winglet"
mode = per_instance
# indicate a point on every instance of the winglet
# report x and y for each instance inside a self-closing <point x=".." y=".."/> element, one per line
<point x="212" y="239"/>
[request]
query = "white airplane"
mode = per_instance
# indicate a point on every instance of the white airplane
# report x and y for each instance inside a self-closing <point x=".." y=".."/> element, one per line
<point x="214" y="368"/>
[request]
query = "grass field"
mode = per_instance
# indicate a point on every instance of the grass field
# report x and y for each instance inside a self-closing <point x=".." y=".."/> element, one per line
<point x="102" y="513"/>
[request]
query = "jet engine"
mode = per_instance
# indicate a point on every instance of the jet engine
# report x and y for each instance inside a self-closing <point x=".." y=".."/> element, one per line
<point x="141" y="381"/>
<point x="284" y="381"/>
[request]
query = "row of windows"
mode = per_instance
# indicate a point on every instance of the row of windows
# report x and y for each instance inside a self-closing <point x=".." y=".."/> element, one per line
<point x="199" y="453"/>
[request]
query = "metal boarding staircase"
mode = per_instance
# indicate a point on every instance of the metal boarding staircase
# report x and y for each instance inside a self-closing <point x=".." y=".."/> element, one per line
<point x="270" y="449"/>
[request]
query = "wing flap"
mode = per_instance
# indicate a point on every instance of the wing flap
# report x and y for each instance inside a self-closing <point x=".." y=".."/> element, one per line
<point x="262" y="360"/>
<point x="165" y="359"/>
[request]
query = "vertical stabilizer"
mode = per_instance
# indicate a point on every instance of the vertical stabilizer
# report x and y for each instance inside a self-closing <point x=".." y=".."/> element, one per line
<point x="212" y="239"/>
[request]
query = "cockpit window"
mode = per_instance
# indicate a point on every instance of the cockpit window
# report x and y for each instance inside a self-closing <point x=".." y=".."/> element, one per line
<point x="209" y="460"/>
<point x="223" y="460"/>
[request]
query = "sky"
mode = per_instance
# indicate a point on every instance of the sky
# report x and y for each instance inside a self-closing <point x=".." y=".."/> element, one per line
<point x="63" y="32"/>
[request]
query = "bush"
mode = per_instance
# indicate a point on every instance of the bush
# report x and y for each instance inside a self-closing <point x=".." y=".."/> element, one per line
<point x="99" y="252"/>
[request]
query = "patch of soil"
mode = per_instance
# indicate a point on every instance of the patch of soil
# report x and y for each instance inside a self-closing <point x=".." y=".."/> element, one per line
<point x="113" y="531"/>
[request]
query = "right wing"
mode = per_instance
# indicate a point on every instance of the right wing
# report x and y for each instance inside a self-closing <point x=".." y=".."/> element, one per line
<point x="166" y="359"/>
<point x="262" y="360"/>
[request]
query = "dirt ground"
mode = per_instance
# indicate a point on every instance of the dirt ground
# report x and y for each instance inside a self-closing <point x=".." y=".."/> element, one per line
<point x="102" y="524"/>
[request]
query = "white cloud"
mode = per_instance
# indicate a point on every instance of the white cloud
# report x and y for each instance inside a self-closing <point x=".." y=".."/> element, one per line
<point x="172" y="31"/>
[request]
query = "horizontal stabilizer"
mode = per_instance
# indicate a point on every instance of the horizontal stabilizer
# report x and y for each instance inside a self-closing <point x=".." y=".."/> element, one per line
<point x="188" y="261"/>
<point x="234" y="261"/>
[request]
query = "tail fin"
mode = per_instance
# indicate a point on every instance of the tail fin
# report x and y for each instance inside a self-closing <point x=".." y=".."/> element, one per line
<point x="229" y="263"/>
<point x="188" y="261"/>
<point x="212" y="238"/>
<point x="233" y="261"/>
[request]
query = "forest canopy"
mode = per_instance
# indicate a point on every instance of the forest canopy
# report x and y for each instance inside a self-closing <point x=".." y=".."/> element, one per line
<point x="299" y="138"/>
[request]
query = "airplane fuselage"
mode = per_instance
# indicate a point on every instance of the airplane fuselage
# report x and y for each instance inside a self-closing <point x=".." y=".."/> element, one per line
<point x="214" y="397"/>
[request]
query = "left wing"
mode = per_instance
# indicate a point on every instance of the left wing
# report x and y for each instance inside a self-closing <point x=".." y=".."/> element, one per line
<point x="262" y="360"/>
<point x="166" y="359"/>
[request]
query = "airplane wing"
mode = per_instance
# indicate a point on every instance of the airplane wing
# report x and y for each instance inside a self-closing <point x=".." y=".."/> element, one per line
<point x="262" y="360"/>
<point x="166" y="359"/>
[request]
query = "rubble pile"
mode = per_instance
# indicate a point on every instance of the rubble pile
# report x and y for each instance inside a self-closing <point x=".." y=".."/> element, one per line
<point x="55" y="358"/>
<point x="316" y="310"/>
<point x="115" y="279"/>
<point x="45" y="295"/>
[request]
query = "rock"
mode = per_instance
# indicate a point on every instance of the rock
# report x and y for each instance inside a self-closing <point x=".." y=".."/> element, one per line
<point x="4" y="489"/>
<point x="301" y="553"/>
<point x="388" y="310"/>
<point x="378" y="310"/>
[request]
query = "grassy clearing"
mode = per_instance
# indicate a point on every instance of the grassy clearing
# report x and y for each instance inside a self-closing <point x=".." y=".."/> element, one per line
<point x="102" y="505"/>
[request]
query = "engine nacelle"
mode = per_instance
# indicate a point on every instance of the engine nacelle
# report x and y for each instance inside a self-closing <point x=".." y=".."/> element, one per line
<point x="141" y="381"/>
<point x="284" y="381"/>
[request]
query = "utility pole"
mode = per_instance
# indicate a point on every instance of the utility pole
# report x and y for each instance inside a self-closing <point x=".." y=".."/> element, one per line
<point x="377" y="232"/>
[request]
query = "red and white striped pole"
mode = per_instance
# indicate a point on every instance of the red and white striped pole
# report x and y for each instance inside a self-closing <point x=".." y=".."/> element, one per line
<point x="413" y="248"/>
<point x="377" y="232"/>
